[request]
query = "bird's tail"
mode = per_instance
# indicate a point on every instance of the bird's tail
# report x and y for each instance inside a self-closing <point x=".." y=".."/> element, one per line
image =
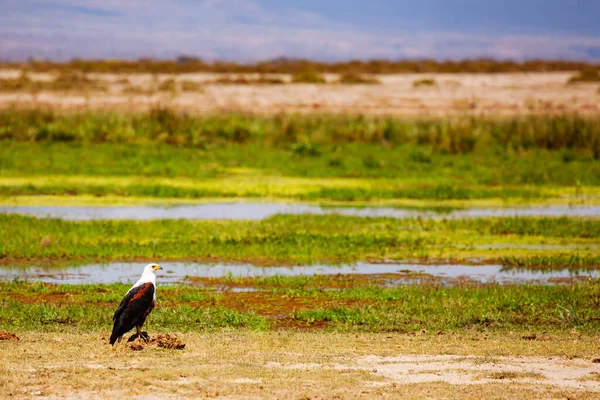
<point x="114" y="335"/>
<point x="112" y="340"/>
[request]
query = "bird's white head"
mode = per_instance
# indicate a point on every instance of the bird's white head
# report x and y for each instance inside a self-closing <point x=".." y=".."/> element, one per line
<point x="151" y="269"/>
<point x="149" y="275"/>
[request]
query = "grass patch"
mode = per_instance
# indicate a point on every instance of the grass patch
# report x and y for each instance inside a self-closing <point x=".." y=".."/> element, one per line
<point x="82" y="317"/>
<point x="586" y="75"/>
<point x="567" y="227"/>
<point x="501" y="375"/>
<point x="185" y="64"/>
<point x="65" y="81"/>
<point x="286" y="239"/>
<point x="424" y="82"/>
<point x="168" y="85"/>
<point x="308" y="77"/>
<point x="276" y="240"/>
<point x="451" y="135"/>
<point x="28" y="306"/>
<point x="132" y="89"/>
<point x="113" y="147"/>
<point x="352" y="78"/>
<point x="558" y="261"/>
<point x="341" y="191"/>
<point x="244" y="80"/>
<point x="593" y="377"/>
<point x="414" y="308"/>
<point x="191" y="86"/>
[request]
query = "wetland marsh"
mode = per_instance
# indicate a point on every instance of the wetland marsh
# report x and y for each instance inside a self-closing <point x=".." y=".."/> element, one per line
<point x="465" y="235"/>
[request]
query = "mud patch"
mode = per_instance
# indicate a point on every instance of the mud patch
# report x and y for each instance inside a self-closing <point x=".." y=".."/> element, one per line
<point x="6" y="335"/>
<point x="165" y="341"/>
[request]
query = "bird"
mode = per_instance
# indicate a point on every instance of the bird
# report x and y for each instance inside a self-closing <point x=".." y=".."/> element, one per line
<point x="136" y="305"/>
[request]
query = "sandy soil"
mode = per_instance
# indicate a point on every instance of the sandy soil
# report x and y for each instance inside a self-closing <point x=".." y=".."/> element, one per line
<point x="287" y="364"/>
<point x="459" y="370"/>
<point x="480" y="94"/>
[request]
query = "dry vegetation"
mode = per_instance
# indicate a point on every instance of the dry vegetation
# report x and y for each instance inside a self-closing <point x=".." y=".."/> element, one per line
<point x="307" y="92"/>
<point x="64" y="81"/>
<point x="423" y="82"/>
<point x="292" y="66"/>
<point x="237" y="79"/>
<point x="587" y="75"/>
<point x="302" y="365"/>
<point x="308" y="77"/>
<point x="353" y="78"/>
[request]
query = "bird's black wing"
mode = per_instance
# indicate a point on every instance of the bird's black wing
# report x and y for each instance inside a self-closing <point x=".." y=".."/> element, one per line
<point x="133" y="309"/>
<point x="123" y="304"/>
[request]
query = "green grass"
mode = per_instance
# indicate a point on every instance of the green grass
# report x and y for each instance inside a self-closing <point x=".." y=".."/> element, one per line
<point x="255" y="186"/>
<point x="352" y="78"/>
<point x="408" y="309"/>
<point x="558" y="261"/>
<point x="287" y="239"/>
<point x="30" y="306"/>
<point x="308" y="77"/>
<point x="191" y="86"/>
<point x="404" y="164"/>
<point x="451" y="135"/>
<point x="450" y="158"/>
<point x="139" y="171"/>
<point x="425" y="163"/>
<point x="424" y="82"/>
<point x="83" y="317"/>
<point x="351" y="172"/>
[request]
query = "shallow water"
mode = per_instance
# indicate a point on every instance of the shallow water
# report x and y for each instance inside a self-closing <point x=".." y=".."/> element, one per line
<point x="258" y="211"/>
<point x="237" y="211"/>
<point x="177" y="272"/>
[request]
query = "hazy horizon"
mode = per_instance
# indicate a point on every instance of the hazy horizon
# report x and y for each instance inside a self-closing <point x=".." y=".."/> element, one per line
<point x="252" y="30"/>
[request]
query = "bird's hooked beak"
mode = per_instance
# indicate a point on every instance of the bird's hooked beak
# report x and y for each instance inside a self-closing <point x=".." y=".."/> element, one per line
<point x="157" y="267"/>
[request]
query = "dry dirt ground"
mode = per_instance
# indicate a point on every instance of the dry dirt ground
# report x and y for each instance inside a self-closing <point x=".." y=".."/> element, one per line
<point x="495" y="94"/>
<point x="304" y="365"/>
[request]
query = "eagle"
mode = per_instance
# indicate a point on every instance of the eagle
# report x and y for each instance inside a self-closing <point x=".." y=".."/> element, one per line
<point x="136" y="305"/>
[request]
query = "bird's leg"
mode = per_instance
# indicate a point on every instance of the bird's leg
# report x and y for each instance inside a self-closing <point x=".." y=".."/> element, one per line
<point x="138" y="333"/>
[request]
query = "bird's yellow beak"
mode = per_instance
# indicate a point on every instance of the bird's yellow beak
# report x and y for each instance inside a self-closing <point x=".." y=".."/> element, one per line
<point x="156" y="267"/>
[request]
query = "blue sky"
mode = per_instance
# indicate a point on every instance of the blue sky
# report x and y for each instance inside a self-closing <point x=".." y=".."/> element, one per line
<point x="250" y="30"/>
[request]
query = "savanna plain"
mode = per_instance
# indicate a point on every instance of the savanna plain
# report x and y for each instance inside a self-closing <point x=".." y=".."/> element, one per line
<point x="434" y="145"/>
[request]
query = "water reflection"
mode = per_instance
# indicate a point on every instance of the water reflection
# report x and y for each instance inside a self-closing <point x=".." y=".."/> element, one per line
<point x="179" y="272"/>
<point x="258" y="211"/>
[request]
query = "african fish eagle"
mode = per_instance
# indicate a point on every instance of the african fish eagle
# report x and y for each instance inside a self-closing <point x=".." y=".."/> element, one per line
<point x="136" y="305"/>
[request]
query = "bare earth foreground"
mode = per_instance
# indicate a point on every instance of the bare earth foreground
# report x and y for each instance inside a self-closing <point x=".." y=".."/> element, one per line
<point x="301" y="365"/>
<point x="448" y="94"/>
